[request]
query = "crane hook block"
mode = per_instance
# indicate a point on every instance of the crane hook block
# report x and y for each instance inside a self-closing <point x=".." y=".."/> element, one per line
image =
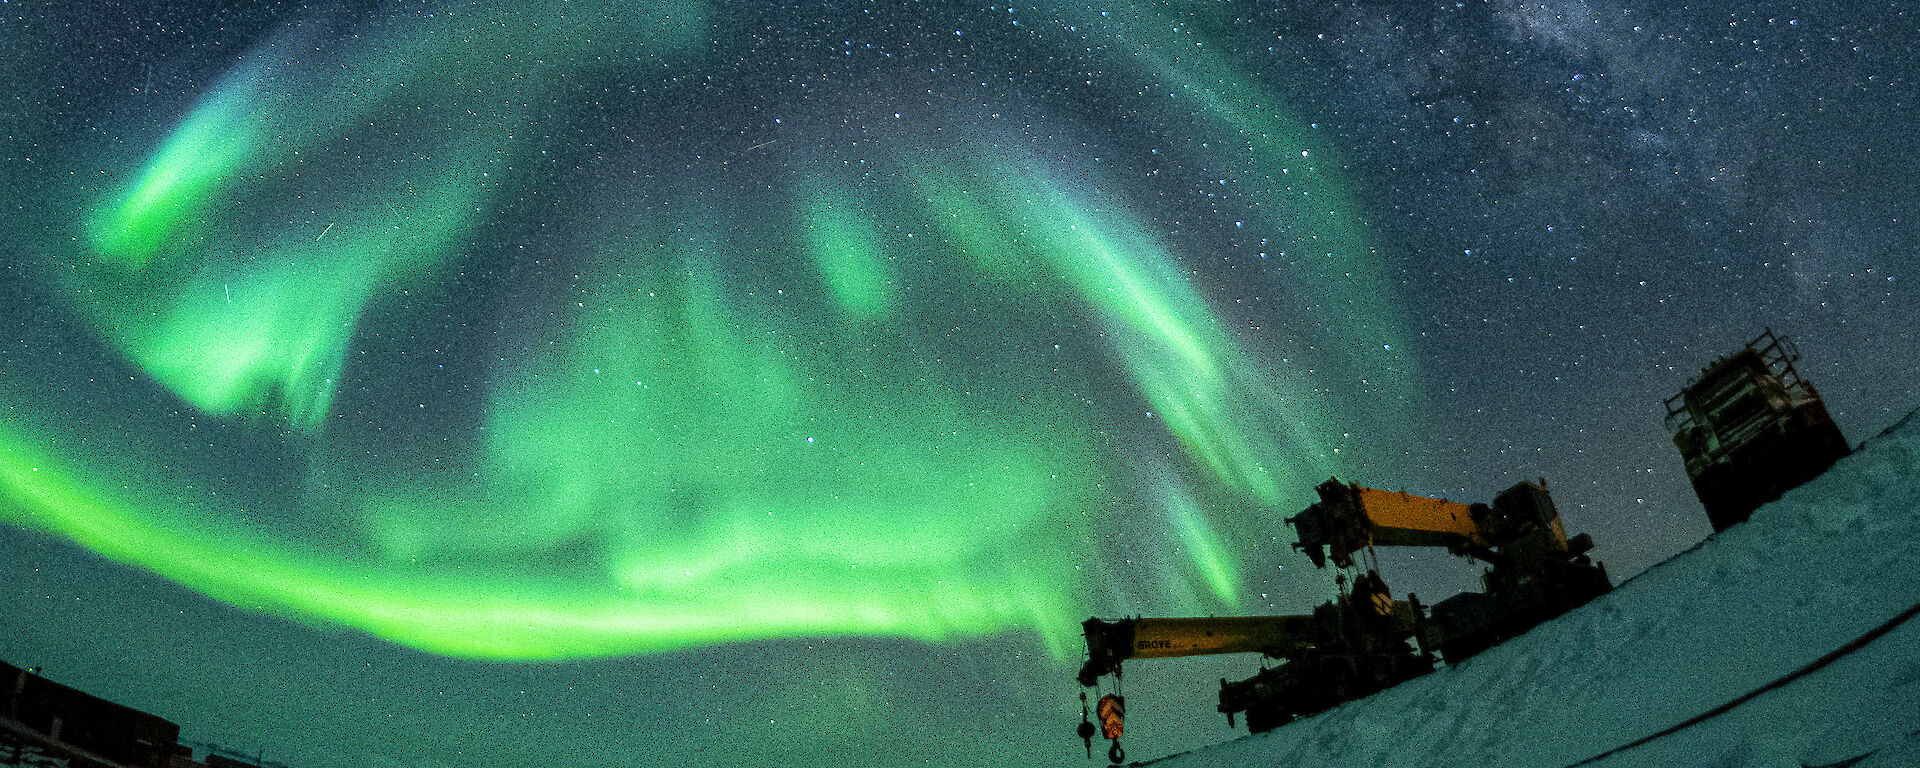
<point x="1112" y="710"/>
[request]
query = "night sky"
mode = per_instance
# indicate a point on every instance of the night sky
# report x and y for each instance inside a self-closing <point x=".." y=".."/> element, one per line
<point x="590" y="383"/>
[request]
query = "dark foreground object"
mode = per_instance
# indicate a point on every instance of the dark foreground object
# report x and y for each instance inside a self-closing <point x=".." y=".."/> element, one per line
<point x="1750" y="429"/>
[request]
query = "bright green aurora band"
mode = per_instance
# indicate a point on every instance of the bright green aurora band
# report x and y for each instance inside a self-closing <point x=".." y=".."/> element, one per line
<point x="918" y="392"/>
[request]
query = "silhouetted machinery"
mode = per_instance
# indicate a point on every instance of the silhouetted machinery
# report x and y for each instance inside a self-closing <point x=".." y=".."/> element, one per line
<point x="1347" y="648"/>
<point x="1537" y="573"/>
<point x="1357" y="644"/>
<point x="1750" y="429"/>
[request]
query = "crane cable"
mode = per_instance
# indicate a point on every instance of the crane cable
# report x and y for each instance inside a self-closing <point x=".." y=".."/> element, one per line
<point x="1816" y="665"/>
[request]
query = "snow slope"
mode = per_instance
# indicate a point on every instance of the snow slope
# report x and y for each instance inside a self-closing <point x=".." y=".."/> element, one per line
<point x="1809" y="573"/>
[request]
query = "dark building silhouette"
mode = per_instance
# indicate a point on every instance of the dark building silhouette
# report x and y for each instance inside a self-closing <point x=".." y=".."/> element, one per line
<point x="87" y="728"/>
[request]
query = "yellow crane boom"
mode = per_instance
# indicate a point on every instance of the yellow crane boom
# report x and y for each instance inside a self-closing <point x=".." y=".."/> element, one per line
<point x="1112" y="642"/>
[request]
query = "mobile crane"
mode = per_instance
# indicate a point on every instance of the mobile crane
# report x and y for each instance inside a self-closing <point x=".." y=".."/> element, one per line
<point x="1357" y="644"/>
<point x="1537" y="572"/>
<point x="1347" y="648"/>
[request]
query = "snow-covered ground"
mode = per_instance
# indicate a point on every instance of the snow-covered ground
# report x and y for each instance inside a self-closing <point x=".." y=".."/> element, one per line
<point x="1806" y="576"/>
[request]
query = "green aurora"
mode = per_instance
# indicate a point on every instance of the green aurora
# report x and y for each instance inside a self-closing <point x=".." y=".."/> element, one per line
<point x="910" y="388"/>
